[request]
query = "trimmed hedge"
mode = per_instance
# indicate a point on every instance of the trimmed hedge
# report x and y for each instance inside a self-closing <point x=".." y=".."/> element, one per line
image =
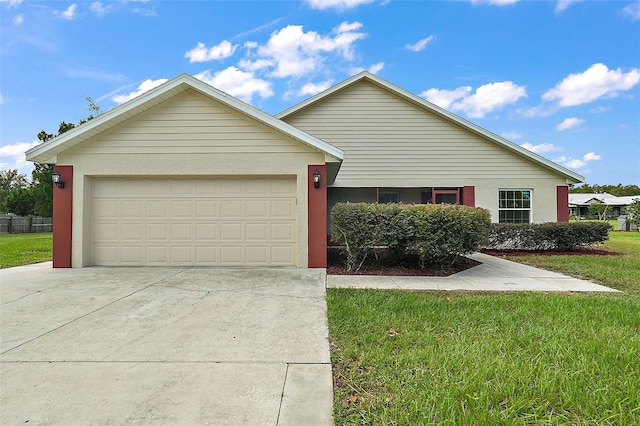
<point x="436" y="234"/>
<point x="546" y="236"/>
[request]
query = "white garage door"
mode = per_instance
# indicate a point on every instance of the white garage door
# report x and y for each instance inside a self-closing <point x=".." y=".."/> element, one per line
<point x="208" y="222"/>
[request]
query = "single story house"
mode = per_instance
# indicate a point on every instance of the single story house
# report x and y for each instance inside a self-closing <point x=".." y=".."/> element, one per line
<point x="186" y="174"/>
<point x="579" y="204"/>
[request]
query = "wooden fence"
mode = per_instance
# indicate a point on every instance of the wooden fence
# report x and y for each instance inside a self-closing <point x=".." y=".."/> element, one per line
<point x="20" y="225"/>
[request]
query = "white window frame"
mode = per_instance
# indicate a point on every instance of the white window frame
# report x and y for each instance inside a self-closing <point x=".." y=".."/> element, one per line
<point x="506" y="209"/>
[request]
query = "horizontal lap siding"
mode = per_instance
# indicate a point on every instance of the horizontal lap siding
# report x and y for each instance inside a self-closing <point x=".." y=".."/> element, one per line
<point x="191" y="123"/>
<point x="390" y="141"/>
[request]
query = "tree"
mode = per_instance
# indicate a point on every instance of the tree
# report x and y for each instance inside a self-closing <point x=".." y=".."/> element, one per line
<point x="20" y="202"/>
<point x="634" y="212"/>
<point x="599" y="208"/>
<point x="10" y="180"/>
<point x="618" y="190"/>
<point x="42" y="190"/>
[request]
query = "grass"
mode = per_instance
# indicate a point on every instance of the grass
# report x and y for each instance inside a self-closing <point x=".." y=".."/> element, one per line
<point x="619" y="272"/>
<point x="24" y="249"/>
<point x="455" y="358"/>
<point x="504" y="359"/>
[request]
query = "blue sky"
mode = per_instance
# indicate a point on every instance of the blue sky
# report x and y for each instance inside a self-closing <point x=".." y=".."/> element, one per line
<point x="561" y="78"/>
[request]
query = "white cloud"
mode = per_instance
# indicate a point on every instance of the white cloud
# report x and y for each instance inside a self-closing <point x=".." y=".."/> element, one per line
<point x="12" y="156"/>
<point x="18" y="20"/>
<point x="576" y="163"/>
<point x="70" y="13"/>
<point x="562" y="5"/>
<point x="512" y="135"/>
<point x="569" y="123"/>
<point x="420" y="44"/>
<point x="495" y="2"/>
<point x="336" y="4"/>
<point x="309" y="89"/>
<point x="11" y="3"/>
<point x="98" y="8"/>
<point x="241" y="84"/>
<point x="373" y="69"/>
<point x="291" y="52"/>
<point x="145" y="86"/>
<point x="632" y="10"/>
<point x="597" y="81"/>
<point x="540" y="148"/>
<point x="200" y="53"/>
<point x="486" y="99"/>
<point x="445" y="98"/>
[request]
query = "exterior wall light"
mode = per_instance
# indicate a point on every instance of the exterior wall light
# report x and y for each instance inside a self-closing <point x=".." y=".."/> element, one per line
<point x="316" y="179"/>
<point x="55" y="177"/>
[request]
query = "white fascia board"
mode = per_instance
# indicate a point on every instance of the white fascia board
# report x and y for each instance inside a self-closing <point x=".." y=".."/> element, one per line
<point x="572" y="177"/>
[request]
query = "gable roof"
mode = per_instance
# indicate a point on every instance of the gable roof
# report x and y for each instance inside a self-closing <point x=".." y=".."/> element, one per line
<point x="48" y="151"/>
<point x="571" y="176"/>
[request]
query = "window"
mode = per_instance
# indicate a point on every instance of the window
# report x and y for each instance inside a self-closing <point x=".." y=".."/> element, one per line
<point x="388" y="197"/>
<point x="514" y="206"/>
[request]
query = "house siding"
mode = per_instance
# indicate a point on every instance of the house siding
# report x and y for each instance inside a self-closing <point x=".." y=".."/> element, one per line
<point x="189" y="134"/>
<point x="392" y="142"/>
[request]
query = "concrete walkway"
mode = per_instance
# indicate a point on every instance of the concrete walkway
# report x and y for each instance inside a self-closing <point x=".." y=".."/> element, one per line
<point x="494" y="274"/>
<point x="142" y="346"/>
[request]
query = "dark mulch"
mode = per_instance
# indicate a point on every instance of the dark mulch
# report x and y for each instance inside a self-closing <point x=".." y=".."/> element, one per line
<point x="411" y="267"/>
<point x="579" y="251"/>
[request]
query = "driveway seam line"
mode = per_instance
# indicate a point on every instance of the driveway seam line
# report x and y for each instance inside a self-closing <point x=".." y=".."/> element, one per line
<point x="284" y="384"/>
<point x="92" y="312"/>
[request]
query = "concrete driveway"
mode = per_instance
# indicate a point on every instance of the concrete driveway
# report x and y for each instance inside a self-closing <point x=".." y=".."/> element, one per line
<point x="163" y="346"/>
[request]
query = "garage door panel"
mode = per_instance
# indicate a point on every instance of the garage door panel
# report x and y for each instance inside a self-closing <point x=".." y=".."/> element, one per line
<point x="257" y="232"/>
<point x="131" y="208"/>
<point x="282" y="208"/>
<point x="213" y="222"/>
<point x="206" y="208"/>
<point x="181" y="209"/>
<point x="132" y="232"/>
<point x="106" y="209"/>
<point x="107" y="232"/>
<point x="206" y="232"/>
<point x="231" y="232"/>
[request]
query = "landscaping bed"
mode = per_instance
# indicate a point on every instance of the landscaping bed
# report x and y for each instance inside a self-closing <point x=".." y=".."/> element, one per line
<point x="336" y="265"/>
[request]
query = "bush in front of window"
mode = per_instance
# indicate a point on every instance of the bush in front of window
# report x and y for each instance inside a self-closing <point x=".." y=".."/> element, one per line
<point x="546" y="236"/>
<point x="435" y="235"/>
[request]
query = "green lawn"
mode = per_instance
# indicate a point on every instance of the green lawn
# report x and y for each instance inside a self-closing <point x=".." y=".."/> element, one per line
<point x="505" y="359"/>
<point x="24" y="249"/>
<point x="619" y="272"/>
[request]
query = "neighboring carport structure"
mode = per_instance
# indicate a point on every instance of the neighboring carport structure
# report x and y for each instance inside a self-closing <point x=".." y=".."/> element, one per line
<point x="188" y="175"/>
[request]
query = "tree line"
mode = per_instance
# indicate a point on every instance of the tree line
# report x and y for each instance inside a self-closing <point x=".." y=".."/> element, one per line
<point x="618" y="190"/>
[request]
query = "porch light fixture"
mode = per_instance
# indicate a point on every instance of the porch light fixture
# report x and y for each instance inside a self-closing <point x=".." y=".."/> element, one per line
<point x="55" y="177"/>
<point x="316" y="179"/>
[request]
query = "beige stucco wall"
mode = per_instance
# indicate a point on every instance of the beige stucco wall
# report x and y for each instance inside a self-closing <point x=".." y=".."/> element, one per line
<point x="189" y="135"/>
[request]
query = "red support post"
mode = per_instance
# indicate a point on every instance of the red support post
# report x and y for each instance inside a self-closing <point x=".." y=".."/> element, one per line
<point x="62" y="218"/>
<point x="317" y="217"/>
<point x="562" y="203"/>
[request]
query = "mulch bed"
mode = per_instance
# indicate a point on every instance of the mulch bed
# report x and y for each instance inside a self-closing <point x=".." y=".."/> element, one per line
<point x="336" y="264"/>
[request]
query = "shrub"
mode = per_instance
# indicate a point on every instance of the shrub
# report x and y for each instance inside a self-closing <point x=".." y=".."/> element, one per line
<point x="436" y="234"/>
<point x="546" y="236"/>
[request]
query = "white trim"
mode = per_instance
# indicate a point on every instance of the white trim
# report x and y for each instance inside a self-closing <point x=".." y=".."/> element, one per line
<point x="529" y="209"/>
<point x="572" y="177"/>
